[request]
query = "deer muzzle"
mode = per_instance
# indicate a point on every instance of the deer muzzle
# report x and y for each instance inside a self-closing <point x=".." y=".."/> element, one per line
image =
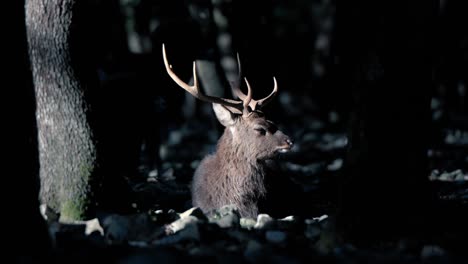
<point x="286" y="147"/>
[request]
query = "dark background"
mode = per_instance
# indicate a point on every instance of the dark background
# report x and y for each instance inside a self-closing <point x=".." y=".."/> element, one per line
<point x="396" y="72"/>
<point x="298" y="42"/>
<point x="374" y="96"/>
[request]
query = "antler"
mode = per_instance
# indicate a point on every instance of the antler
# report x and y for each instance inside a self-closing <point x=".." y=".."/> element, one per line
<point x="235" y="106"/>
<point x="254" y="104"/>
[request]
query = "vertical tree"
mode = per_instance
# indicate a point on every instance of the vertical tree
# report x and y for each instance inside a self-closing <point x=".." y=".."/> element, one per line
<point x="67" y="150"/>
<point x="386" y="56"/>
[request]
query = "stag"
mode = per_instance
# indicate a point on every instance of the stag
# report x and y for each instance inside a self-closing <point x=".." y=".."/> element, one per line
<point x="235" y="173"/>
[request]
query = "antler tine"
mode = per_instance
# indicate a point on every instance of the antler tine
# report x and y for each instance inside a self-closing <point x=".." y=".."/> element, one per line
<point x="254" y="104"/>
<point x="195" y="89"/>
<point x="258" y="104"/>
<point x="235" y="85"/>
<point x="246" y="101"/>
<point x="266" y="100"/>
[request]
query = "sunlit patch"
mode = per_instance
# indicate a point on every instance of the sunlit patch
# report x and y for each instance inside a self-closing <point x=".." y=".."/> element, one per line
<point x="284" y="150"/>
<point x="232" y="129"/>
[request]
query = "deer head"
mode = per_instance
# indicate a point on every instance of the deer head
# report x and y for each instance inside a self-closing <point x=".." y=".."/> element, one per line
<point x="257" y="137"/>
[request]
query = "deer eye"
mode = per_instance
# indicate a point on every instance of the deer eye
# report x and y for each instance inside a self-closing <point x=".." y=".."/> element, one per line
<point x="260" y="130"/>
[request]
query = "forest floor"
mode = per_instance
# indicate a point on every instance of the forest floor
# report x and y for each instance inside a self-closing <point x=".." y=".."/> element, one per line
<point x="167" y="230"/>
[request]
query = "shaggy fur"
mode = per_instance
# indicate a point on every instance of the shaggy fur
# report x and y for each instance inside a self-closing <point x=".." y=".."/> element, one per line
<point x="235" y="173"/>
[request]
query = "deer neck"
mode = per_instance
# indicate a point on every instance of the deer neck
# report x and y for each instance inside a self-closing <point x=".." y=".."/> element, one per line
<point x="239" y="169"/>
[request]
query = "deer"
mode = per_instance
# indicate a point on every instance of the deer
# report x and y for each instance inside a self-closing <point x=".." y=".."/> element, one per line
<point x="235" y="173"/>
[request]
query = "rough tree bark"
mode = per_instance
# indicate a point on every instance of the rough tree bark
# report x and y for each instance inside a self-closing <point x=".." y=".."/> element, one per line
<point x="67" y="150"/>
<point x="386" y="56"/>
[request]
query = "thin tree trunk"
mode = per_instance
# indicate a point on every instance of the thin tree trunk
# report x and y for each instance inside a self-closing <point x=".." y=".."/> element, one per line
<point x="67" y="151"/>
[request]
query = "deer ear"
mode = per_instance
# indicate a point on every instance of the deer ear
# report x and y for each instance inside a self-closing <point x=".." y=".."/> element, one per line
<point x="225" y="117"/>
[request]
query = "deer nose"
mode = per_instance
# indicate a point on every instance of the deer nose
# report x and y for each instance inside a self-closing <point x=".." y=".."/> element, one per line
<point x="289" y="142"/>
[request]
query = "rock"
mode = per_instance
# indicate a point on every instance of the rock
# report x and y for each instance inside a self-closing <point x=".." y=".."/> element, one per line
<point x="153" y="174"/>
<point x="153" y="179"/>
<point x="93" y="226"/>
<point x="307" y="170"/>
<point x="175" y="137"/>
<point x="332" y="142"/>
<point x="201" y="251"/>
<point x="290" y="218"/>
<point x="312" y="232"/>
<point x="316" y="219"/>
<point x="140" y="244"/>
<point x="335" y="165"/>
<point x="264" y="221"/>
<point x="186" y="229"/>
<point x="314" y="227"/>
<point x="239" y="235"/>
<point x="227" y="221"/>
<point x="173" y="213"/>
<point x="275" y="237"/>
<point x="181" y="224"/>
<point x="333" y="117"/>
<point x="227" y="209"/>
<point x="162" y="218"/>
<point x="328" y="239"/>
<point x="116" y="228"/>
<point x="456" y="175"/>
<point x="287" y="223"/>
<point x="194" y="211"/>
<point x="321" y="218"/>
<point x="168" y="175"/>
<point x="194" y="164"/>
<point x="120" y="228"/>
<point x="247" y="223"/>
<point x="225" y="217"/>
<point x="254" y="251"/>
<point x="431" y="251"/>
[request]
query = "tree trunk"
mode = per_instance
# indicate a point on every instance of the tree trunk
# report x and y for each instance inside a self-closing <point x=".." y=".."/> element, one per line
<point x="67" y="152"/>
<point x="386" y="56"/>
